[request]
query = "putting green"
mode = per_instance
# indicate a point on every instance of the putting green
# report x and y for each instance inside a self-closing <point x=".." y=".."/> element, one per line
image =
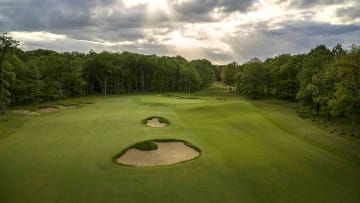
<point x="251" y="152"/>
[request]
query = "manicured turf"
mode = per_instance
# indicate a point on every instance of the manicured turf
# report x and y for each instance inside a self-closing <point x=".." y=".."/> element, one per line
<point x="251" y="152"/>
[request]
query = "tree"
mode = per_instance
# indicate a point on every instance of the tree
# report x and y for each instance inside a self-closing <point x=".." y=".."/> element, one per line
<point x="205" y="70"/>
<point x="6" y="42"/>
<point x="251" y="80"/>
<point x="346" y="69"/>
<point x="227" y="75"/>
<point x="101" y="67"/>
<point x="311" y="75"/>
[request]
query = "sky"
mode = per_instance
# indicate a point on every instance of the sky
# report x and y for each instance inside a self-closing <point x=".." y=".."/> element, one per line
<point x="221" y="31"/>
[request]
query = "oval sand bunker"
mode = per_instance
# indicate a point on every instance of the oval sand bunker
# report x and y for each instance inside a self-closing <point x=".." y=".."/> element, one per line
<point x="167" y="153"/>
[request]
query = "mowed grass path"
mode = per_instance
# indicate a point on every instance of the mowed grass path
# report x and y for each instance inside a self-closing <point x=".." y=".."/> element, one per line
<point x="251" y="152"/>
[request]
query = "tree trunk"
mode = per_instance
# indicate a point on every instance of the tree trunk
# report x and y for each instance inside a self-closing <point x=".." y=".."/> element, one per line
<point x="189" y="88"/>
<point x="136" y="80"/>
<point x="105" y="86"/>
<point x="318" y="109"/>
<point x="122" y="82"/>
<point x="142" y="80"/>
<point x="353" y="122"/>
<point x="118" y="86"/>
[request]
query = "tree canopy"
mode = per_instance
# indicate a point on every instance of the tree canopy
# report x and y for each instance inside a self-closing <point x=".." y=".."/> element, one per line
<point x="324" y="81"/>
<point x="44" y="75"/>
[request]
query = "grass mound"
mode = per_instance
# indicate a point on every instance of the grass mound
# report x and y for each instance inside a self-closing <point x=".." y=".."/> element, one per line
<point x="146" y="146"/>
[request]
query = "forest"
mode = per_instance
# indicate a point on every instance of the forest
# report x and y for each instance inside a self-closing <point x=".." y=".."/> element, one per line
<point x="44" y="75"/>
<point x="324" y="82"/>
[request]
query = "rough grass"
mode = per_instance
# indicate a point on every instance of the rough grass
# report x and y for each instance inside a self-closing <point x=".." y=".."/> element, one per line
<point x="250" y="152"/>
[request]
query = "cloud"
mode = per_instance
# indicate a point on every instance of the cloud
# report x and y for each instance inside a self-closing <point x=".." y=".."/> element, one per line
<point x="295" y="38"/>
<point x="220" y="30"/>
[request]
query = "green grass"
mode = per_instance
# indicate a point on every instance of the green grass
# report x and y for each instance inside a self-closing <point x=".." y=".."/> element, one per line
<point x="250" y="152"/>
<point x="145" y="146"/>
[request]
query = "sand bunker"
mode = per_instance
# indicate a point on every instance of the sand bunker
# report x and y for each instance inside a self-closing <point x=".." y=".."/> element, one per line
<point x="70" y="106"/>
<point x="47" y="109"/>
<point x="24" y="112"/>
<point x="155" y="123"/>
<point x="167" y="153"/>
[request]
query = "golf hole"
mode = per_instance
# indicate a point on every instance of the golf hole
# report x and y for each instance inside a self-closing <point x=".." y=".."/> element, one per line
<point x="158" y="153"/>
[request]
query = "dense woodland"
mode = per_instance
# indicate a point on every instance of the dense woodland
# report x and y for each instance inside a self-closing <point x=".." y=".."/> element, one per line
<point x="44" y="75"/>
<point x="325" y="82"/>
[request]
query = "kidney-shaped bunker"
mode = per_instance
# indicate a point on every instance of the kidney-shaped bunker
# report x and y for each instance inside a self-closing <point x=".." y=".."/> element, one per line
<point x="158" y="153"/>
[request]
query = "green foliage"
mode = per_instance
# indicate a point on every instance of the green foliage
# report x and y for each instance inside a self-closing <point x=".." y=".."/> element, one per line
<point x="44" y="75"/>
<point x="250" y="80"/>
<point x="312" y="77"/>
<point x="227" y="74"/>
<point x="323" y="81"/>
<point x="281" y="76"/>
<point x="6" y="75"/>
<point x="205" y="70"/>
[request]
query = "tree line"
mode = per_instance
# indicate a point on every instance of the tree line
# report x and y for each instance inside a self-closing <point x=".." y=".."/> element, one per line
<point x="42" y="75"/>
<point x="325" y="82"/>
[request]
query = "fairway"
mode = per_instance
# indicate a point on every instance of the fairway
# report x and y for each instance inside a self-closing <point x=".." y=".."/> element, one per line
<point x="251" y="151"/>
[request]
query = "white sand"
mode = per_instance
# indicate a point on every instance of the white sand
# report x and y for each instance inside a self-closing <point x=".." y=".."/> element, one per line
<point x="167" y="153"/>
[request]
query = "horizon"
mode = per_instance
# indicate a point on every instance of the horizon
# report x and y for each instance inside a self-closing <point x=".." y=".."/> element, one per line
<point x="217" y="30"/>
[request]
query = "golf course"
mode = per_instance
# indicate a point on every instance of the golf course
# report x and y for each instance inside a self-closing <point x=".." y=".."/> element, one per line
<point x="251" y="151"/>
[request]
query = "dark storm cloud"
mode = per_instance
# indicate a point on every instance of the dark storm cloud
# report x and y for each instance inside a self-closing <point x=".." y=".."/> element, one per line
<point x="199" y="10"/>
<point x="101" y="24"/>
<point x="31" y="15"/>
<point x="40" y="14"/>
<point x="79" y="19"/>
<point x="296" y="38"/>
<point x="316" y="29"/>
